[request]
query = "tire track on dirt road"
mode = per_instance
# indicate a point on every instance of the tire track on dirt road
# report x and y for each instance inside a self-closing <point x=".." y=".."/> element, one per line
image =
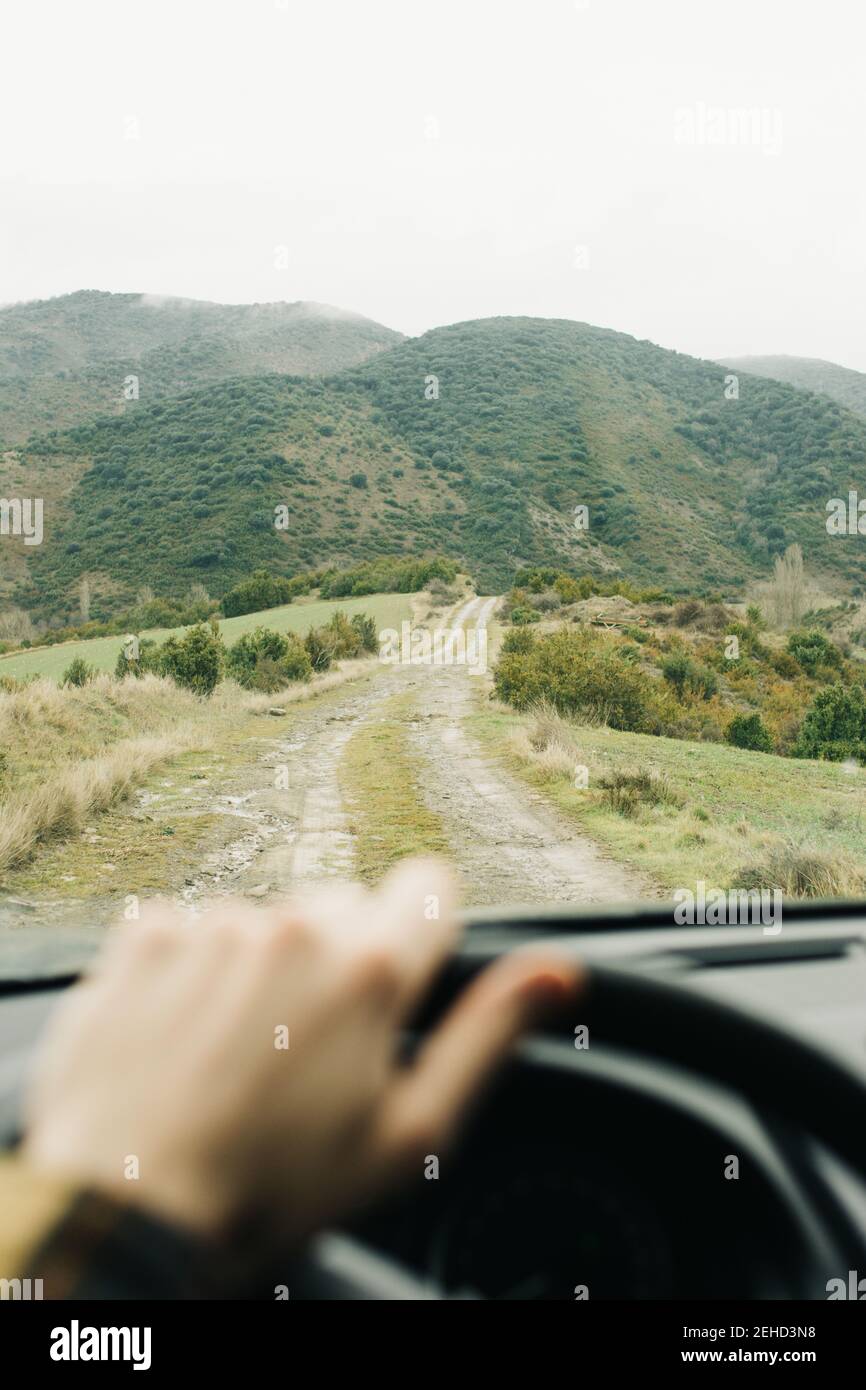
<point x="509" y="844"/>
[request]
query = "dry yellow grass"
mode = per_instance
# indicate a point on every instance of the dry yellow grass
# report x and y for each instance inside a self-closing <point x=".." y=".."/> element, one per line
<point x="71" y="752"/>
<point x="67" y="753"/>
<point x="62" y="803"/>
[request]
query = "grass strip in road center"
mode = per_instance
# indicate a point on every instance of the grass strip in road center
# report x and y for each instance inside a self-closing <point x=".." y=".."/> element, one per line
<point x="385" y="807"/>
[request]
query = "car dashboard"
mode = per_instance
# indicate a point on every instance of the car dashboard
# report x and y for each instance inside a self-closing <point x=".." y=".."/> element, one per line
<point x="592" y="1171"/>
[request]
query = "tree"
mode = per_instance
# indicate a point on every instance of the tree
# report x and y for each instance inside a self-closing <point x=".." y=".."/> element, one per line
<point x="84" y="600"/>
<point x="16" y="626"/>
<point x="788" y="588"/>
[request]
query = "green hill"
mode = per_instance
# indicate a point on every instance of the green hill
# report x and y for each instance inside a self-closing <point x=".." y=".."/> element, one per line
<point x="65" y="360"/>
<point x="685" y="488"/>
<point x="811" y="374"/>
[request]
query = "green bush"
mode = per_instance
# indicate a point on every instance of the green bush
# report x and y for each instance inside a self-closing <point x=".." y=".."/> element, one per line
<point x="367" y="632"/>
<point x="78" y="672"/>
<point x="813" y="651"/>
<point x="341" y="639"/>
<point x="785" y="665"/>
<point x="578" y="673"/>
<point x="267" y="660"/>
<point x="318" y="649"/>
<point x="386" y="575"/>
<point x="749" y="731"/>
<point x="261" y="590"/>
<point x="518" y="639"/>
<point x="149" y="654"/>
<point x="522" y="616"/>
<point x="688" y="676"/>
<point x="195" y="660"/>
<point x="835" y="725"/>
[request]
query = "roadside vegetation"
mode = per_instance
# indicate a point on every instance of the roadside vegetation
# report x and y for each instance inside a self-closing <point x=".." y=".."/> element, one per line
<point x="698" y="739"/>
<point x="686" y="811"/>
<point x="691" y="669"/>
<point x="70" y="751"/>
<point x="70" y="754"/>
<point x="298" y="618"/>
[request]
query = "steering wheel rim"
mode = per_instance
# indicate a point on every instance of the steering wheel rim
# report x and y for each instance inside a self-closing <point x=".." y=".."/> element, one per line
<point x="759" y="1058"/>
<point x="655" y="1014"/>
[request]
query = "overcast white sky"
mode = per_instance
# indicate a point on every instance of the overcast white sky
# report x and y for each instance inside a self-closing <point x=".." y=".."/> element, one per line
<point x="429" y="162"/>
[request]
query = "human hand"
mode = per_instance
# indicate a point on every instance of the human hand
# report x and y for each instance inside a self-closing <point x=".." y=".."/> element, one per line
<point x="173" y="1054"/>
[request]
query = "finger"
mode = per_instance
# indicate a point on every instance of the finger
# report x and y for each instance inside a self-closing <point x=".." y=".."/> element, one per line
<point x="338" y="913"/>
<point x="426" y="1103"/>
<point x="416" y="922"/>
<point x="154" y="935"/>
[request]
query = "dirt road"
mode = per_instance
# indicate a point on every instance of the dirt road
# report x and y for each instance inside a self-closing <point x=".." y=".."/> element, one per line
<point x="278" y="822"/>
<point x="509" y="845"/>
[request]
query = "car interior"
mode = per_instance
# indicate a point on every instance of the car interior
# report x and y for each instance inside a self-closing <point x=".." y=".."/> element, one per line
<point x="687" y="1132"/>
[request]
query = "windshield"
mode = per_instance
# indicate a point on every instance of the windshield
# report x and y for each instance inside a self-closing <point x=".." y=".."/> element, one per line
<point x="438" y="435"/>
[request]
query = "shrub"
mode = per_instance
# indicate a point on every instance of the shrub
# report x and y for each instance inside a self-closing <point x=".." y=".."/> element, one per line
<point x="627" y="792"/>
<point x="267" y="660"/>
<point x="261" y="590"/>
<point x="715" y="618"/>
<point x="756" y="617"/>
<point x="365" y="627"/>
<point x="343" y="638"/>
<point x="78" y="672"/>
<point x="688" y="677"/>
<point x="578" y="673"/>
<point x="813" y="651"/>
<point x="785" y="665"/>
<point x="194" y="661"/>
<point x="687" y="612"/>
<point x="441" y="592"/>
<point x="318" y="649"/>
<point x="835" y="725"/>
<point x="386" y="575"/>
<point x="571" y="590"/>
<point x="749" y="731"/>
<point x="518" y="639"/>
<point x="149" y="653"/>
<point x="521" y="616"/>
<point x="802" y="873"/>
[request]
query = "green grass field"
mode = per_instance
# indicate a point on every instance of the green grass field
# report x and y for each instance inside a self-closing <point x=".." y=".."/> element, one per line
<point x="389" y="610"/>
<point x="737" y="808"/>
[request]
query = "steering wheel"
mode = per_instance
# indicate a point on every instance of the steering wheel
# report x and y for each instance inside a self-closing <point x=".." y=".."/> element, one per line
<point x="657" y="1016"/>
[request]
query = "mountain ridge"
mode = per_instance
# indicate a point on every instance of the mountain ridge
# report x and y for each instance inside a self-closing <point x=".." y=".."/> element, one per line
<point x="842" y="384"/>
<point x="476" y="439"/>
<point x="70" y="358"/>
